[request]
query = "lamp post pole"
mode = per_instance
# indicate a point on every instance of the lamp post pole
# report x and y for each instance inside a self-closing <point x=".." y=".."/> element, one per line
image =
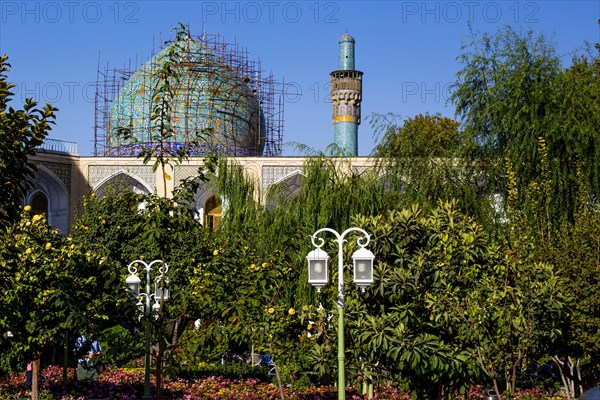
<point x="160" y="293"/>
<point x="147" y="395"/>
<point x="320" y="256"/>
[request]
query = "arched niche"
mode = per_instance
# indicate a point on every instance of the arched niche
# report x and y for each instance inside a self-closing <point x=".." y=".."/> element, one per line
<point x="49" y="193"/>
<point x="286" y="188"/>
<point x="207" y="206"/>
<point x="122" y="181"/>
<point x="39" y="203"/>
<point x="213" y="212"/>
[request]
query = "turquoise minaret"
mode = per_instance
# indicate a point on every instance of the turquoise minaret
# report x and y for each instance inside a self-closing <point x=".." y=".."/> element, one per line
<point x="346" y="95"/>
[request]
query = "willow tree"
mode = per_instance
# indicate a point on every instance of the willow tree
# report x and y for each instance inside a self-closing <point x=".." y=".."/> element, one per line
<point x="331" y="193"/>
<point x="511" y="91"/>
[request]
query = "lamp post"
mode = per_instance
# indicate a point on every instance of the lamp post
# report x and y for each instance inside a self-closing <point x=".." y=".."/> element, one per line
<point x="318" y="277"/>
<point x="161" y="293"/>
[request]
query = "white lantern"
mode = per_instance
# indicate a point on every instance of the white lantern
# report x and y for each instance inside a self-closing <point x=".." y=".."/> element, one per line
<point x="133" y="284"/>
<point x="363" y="267"/>
<point x="161" y="292"/>
<point x="317" y="268"/>
<point x="160" y="288"/>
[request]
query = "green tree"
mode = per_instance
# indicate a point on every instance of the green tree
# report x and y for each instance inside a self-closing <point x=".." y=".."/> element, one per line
<point x="573" y="136"/>
<point x="446" y="296"/>
<point x="21" y="131"/>
<point x="47" y="286"/>
<point x="419" y="161"/>
<point x="574" y="247"/>
<point x="392" y="327"/>
<point x="422" y="136"/>
<point x="116" y="227"/>
<point x="511" y="91"/>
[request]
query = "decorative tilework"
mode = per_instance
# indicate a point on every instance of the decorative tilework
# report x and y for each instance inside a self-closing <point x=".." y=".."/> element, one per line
<point x="272" y="174"/>
<point x="346" y="137"/>
<point x="99" y="173"/>
<point x="62" y="171"/>
<point x="184" y="171"/>
<point x="209" y="95"/>
<point x="346" y="54"/>
<point x="362" y="169"/>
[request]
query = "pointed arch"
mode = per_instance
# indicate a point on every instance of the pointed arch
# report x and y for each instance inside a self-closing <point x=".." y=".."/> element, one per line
<point x="124" y="181"/>
<point x="285" y="188"/>
<point x="39" y="203"/>
<point x="47" y="185"/>
<point x="204" y="194"/>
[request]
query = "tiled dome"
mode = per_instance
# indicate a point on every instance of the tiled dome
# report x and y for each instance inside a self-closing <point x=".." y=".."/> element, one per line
<point x="210" y="97"/>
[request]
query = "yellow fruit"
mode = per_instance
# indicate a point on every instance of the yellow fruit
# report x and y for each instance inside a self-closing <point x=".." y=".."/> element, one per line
<point x="28" y="251"/>
<point x="48" y="246"/>
<point x="271" y="310"/>
<point x="291" y="311"/>
<point x="216" y="252"/>
<point x="27" y="208"/>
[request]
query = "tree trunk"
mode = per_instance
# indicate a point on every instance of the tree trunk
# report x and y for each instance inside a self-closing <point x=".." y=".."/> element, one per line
<point x="578" y="370"/>
<point x="66" y="358"/>
<point x="279" y="383"/>
<point x="513" y="381"/>
<point x="35" y="384"/>
<point x="567" y="382"/>
<point x="498" y="393"/>
<point x="159" y="362"/>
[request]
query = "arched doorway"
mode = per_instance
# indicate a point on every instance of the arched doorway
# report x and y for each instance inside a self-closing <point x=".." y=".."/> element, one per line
<point x="214" y="213"/>
<point x="39" y="204"/>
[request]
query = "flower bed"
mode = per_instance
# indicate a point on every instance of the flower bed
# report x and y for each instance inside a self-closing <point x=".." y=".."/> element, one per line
<point x="129" y="385"/>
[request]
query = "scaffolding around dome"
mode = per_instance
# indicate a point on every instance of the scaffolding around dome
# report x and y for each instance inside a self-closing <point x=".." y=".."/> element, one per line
<point x="226" y="95"/>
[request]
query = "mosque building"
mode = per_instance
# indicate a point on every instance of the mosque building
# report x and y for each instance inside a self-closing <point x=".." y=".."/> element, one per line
<point x="220" y="103"/>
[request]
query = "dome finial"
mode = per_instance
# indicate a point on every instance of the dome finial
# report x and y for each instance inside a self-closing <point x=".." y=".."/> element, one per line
<point x="346" y="37"/>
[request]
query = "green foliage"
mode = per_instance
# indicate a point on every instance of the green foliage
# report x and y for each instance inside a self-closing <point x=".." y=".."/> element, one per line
<point x="47" y="282"/>
<point x="394" y="329"/>
<point x="420" y="164"/>
<point x="510" y="92"/>
<point x="445" y="296"/>
<point x="421" y="136"/>
<point x="574" y="247"/>
<point x="228" y="371"/>
<point x="120" y="346"/>
<point x="21" y="131"/>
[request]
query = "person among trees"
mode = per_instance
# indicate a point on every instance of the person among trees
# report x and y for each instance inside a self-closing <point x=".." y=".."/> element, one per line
<point x="87" y="351"/>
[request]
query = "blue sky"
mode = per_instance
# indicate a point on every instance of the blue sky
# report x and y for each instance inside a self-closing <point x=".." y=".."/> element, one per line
<point x="406" y="49"/>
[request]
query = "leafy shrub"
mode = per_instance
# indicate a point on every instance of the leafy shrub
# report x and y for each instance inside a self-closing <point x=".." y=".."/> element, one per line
<point x="227" y="371"/>
<point x="120" y="346"/>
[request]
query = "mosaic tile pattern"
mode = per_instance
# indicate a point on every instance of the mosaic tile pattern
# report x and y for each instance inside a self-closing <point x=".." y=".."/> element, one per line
<point x="346" y="54"/>
<point x="62" y="171"/>
<point x="99" y="173"/>
<point x="272" y="174"/>
<point x="346" y="96"/>
<point x="346" y="137"/>
<point x="183" y="172"/>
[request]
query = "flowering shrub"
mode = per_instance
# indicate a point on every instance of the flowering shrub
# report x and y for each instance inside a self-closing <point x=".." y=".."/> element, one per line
<point x="128" y="385"/>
